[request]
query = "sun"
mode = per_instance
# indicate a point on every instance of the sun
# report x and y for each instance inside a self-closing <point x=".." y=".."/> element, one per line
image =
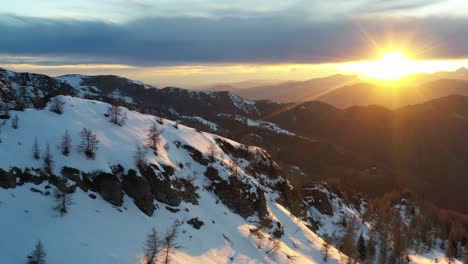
<point x="392" y="66"/>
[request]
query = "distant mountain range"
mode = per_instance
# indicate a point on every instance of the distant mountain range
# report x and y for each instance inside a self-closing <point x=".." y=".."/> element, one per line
<point x="348" y="90"/>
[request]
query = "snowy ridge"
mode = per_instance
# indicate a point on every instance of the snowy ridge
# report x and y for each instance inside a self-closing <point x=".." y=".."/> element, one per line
<point x="258" y="123"/>
<point x="76" y="81"/>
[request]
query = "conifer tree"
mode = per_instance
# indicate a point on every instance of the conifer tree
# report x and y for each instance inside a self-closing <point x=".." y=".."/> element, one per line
<point x="36" y="150"/>
<point x="38" y="256"/>
<point x="361" y="247"/>
<point x="48" y="161"/>
<point x="65" y="145"/>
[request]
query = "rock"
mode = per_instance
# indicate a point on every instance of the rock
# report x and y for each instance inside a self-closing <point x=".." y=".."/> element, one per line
<point x="196" y="155"/>
<point x="7" y="180"/>
<point x="291" y="198"/>
<point x="172" y="210"/>
<point x="212" y="174"/>
<point x="109" y="187"/>
<point x="139" y="189"/>
<point x="319" y="199"/>
<point x="236" y="195"/>
<point x="196" y="223"/>
<point x="169" y="190"/>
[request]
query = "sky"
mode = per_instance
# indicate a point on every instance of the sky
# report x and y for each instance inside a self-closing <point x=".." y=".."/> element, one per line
<point x="193" y="43"/>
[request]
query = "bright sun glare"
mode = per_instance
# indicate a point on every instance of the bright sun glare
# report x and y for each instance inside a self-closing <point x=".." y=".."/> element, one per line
<point x="392" y="66"/>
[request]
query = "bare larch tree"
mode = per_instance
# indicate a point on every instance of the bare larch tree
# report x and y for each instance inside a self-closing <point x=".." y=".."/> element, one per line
<point x="89" y="143"/>
<point x="38" y="256"/>
<point x="152" y="247"/>
<point x="116" y="115"/>
<point x="154" y="136"/>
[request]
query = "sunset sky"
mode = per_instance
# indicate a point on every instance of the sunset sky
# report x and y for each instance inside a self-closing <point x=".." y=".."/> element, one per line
<point x="197" y="42"/>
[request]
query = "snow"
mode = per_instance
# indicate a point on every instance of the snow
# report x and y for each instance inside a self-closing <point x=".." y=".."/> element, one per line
<point x="117" y="94"/>
<point x="75" y="81"/>
<point x="201" y="120"/>
<point x="432" y="257"/>
<point x="259" y="123"/>
<point x="245" y="105"/>
<point x="94" y="231"/>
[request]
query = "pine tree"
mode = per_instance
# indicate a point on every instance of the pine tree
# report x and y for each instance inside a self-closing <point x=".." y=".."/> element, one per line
<point x="154" y="136"/>
<point x="361" y="247"/>
<point x="152" y="247"/>
<point x="65" y="145"/>
<point x="89" y="143"/>
<point x="36" y="150"/>
<point x="4" y="111"/>
<point x="38" y="256"/>
<point x="15" y="122"/>
<point x="48" y="161"/>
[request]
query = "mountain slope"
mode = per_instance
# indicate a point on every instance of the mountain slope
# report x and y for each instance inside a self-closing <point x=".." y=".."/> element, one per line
<point x="291" y="91"/>
<point x="111" y="228"/>
<point x="393" y="95"/>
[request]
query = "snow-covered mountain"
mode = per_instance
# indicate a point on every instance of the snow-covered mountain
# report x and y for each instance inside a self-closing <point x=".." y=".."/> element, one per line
<point x="106" y="222"/>
<point x="231" y="201"/>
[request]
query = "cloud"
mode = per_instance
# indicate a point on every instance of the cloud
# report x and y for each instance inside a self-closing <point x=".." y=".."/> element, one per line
<point x="264" y="38"/>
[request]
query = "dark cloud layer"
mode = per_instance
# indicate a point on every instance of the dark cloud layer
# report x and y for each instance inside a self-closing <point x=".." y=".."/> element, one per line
<point x="262" y="39"/>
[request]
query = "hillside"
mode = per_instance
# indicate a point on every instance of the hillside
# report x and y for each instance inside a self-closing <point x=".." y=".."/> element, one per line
<point x="119" y="224"/>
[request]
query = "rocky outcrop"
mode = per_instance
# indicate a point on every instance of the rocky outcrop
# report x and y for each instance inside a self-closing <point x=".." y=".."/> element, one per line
<point x="242" y="153"/>
<point x="7" y="180"/>
<point x="139" y="189"/>
<point x="169" y="190"/>
<point x="196" y="155"/>
<point x="236" y="195"/>
<point x="291" y="198"/>
<point x="109" y="187"/>
<point x="318" y="199"/>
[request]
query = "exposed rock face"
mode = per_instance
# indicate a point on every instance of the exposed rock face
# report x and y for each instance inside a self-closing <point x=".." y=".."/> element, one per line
<point x="236" y="152"/>
<point x="291" y="198"/>
<point x="139" y="189"/>
<point x="21" y="90"/>
<point x="110" y="188"/>
<point x="167" y="189"/>
<point x="212" y="174"/>
<point x="196" y="155"/>
<point x="319" y="199"/>
<point x="236" y="195"/>
<point x="7" y="180"/>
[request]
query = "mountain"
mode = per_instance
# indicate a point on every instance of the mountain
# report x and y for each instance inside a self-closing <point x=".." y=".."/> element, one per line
<point x="113" y="199"/>
<point x="346" y="91"/>
<point x="232" y="202"/>
<point x="393" y="96"/>
<point x="324" y="142"/>
<point x="291" y="91"/>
